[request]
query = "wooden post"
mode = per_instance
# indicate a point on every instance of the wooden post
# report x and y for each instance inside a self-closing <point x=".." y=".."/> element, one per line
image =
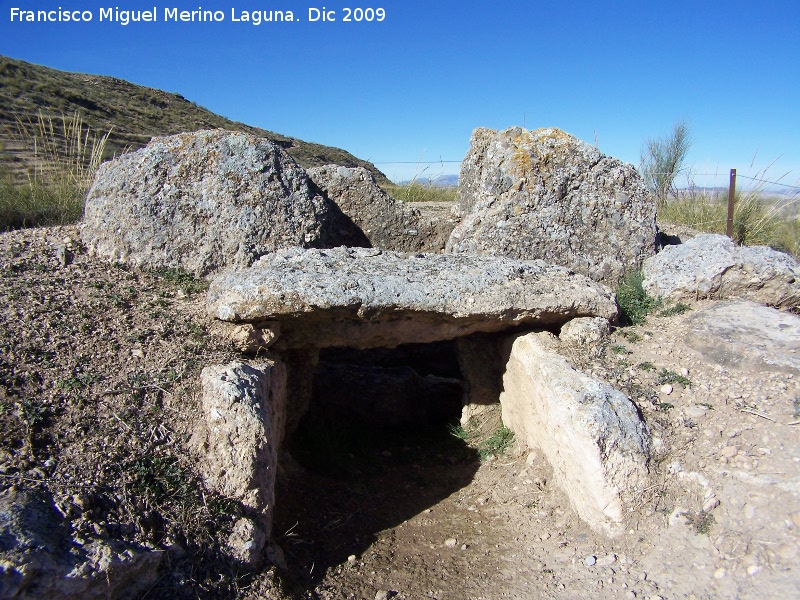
<point x="731" y="196"/>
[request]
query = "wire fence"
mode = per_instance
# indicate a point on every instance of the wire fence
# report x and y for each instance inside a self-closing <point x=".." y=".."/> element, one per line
<point x="689" y="175"/>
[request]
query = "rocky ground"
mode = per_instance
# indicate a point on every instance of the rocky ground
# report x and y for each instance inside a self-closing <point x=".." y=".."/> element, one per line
<point x="98" y="397"/>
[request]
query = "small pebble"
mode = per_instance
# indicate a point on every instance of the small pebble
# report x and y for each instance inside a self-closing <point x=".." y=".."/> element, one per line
<point x="710" y="504"/>
<point x="351" y="558"/>
<point x="666" y="389"/>
<point x="753" y="569"/>
<point x="607" y="561"/>
<point x="590" y="560"/>
<point x="696" y="412"/>
<point x="450" y="542"/>
<point x="719" y="573"/>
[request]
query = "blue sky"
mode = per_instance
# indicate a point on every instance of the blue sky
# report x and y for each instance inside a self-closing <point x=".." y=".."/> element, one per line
<point x="413" y="87"/>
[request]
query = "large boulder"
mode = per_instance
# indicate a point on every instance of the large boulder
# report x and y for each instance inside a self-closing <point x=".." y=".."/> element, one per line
<point x="712" y="266"/>
<point x="244" y="408"/>
<point x="545" y="194"/>
<point x="39" y="557"/>
<point x="591" y="434"/>
<point x="386" y="222"/>
<point x="201" y="201"/>
<point x="361" y="298"/>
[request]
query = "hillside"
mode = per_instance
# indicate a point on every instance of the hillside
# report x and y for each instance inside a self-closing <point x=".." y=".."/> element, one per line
<point x="132" y="112"/>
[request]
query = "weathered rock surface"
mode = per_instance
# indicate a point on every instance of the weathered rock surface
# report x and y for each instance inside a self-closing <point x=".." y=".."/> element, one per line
<point x="545" y="194"/>
<point x="586" y="332"/>
<point x="39" y="558"/>
<point x="386" y="397"/>
<point x="360" y="298"/>
<point x="244" y="408"/>
<point x="246" y="542"/>
<point x="387" y="223"/>
<point x="591" y="433"/>
<point x="746" y="335"/>
<point x="712" y="266"/>
<point x="202" y="201"/>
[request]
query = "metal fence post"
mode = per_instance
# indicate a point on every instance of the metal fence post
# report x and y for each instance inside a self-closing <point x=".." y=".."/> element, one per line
<point x="731" y="196"/>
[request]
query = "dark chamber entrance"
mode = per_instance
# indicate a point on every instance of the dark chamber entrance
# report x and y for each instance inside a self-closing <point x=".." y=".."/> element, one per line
<point x="375" y="448"/>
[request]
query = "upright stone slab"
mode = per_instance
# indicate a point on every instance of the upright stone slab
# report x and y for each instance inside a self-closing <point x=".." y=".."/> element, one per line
<point x="545" y="194"/>
<point x="244" y="408"/>
<point x="590" y="433"/>
<point x="201" y="201"/>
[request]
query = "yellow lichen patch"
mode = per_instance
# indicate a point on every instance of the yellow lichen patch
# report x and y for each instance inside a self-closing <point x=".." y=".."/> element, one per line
<point x="552" y="133"/>
<point x="522" y="154"/>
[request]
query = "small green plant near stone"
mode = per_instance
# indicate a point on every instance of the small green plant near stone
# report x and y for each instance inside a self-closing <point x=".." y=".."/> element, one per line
<point x="701" y="522"/>
<point x="497" y="443"/>
<point x="672" y="311"/>
<point x="647" y="366"/>
<point x="457" y="431"/>
<point x="178" y="278"/>
<point x="705" y="405"/>
<point x="31" y="413"/>
<point x="667" y="376"/>
<point x="619" y="349"/>
<point x="634" y="303"/>
<point x="160" y="477"/>
<point x="631" y="336"/>
<point x="665" y="406"/>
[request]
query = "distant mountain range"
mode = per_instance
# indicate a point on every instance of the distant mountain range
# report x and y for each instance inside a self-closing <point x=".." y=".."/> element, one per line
<point x="439" y="181"/>
<point x="132" y="112"/>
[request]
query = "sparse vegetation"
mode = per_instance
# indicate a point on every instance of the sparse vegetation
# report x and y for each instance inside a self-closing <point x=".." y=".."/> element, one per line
<point x="757" y="220"/>
<point x="662" y="159"/>
<point x="667" y="376"/>
<point x="418" y="192"/>
<point x="701" y="522"/>
<point x="647" y="366"/>
<point x="488" y="445"/>
<point x="677" y="309"/>
<point x="631" y="336"/>
<point x="619" y="349"/>
<point x="634" y="303"/>
<point x="65" y="155"/>
<point x="135" y="113"/>
<point x="497" y="443"/>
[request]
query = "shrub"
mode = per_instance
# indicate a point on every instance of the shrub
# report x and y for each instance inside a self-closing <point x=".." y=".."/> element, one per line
<point x="66" y="155"/>
<point x="663" y="158"/>
<point x="634" y="303"/>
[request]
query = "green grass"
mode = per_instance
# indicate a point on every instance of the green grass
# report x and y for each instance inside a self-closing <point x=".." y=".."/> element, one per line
<point x="487" y="445"/>
<point x="631" y="336"/>
<point x="497" y="443"/>
<point x="634" y="303"/>
<point x="677" y="309"/>
<point x="619" y="349"/>
<point x="757" y="220"/>
<point x="417" y="192"/>
<point x="647" y="366"/>
<point x="667" y="376"/>
<point x="65" y="154"/>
